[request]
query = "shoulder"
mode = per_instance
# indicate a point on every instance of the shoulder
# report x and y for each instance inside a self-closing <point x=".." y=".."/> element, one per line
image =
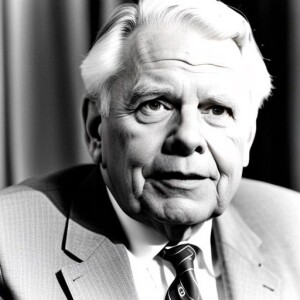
<point x="254" y="188"/>
<point x="270" y="214"/>
<point x="265" y="198"/>
<point x="53" y="192"/>
<point x="271" y="211"/>
<point x="33" y="221"/>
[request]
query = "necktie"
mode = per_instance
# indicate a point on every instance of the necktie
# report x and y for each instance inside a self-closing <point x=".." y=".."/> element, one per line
<point x="184" y="286"/>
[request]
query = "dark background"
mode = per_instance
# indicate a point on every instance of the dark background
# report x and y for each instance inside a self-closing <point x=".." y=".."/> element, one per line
<point x="270" y="154"/>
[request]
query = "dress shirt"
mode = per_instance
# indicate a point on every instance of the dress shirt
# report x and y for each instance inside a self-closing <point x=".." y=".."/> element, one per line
<point x="153" y="275"/>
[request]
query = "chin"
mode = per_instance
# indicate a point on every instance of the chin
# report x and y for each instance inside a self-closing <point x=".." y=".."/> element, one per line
<point x="180" y="216"/>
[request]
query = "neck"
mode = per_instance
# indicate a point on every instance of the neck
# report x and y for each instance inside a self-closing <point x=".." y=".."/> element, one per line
<point x="177" y="233"/>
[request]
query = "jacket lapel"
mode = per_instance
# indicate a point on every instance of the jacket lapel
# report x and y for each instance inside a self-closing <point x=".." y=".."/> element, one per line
<point x="95" y="239"/>
<point x="243" y="272"/>
<point x="106" y="274"/>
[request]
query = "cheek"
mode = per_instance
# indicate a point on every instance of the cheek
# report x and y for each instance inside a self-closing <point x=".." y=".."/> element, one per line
<point x="227" y="149"/>
<point x="137" y="146"/>
<point x="131" y="147"/>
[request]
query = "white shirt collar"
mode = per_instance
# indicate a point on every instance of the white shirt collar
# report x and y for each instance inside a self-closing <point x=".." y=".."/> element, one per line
<point x="145" y="242"/>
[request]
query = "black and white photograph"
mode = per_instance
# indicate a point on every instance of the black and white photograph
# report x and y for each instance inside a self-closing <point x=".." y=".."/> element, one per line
<point x="149" y="150"/>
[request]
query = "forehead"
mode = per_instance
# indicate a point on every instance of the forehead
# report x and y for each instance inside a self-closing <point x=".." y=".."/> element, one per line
<point x="149" y="45"/>
<point x="180" y="61"/>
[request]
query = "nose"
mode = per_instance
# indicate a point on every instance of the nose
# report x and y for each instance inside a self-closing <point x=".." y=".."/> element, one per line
<point x="186" y="137"/>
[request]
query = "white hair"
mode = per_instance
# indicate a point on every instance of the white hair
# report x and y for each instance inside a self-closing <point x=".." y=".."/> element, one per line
<point x="213" y="18"/>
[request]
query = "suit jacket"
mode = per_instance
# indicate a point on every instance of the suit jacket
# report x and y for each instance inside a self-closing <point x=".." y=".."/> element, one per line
<point x="60" y="239"/>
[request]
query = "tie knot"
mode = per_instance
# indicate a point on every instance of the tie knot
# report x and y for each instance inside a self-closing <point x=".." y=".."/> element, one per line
<point x="181" y="257"/>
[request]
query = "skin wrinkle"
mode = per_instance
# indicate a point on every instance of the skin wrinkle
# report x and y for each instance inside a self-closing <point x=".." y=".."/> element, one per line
<point x="149" y="55"/>
<point x="185" y="62"/>
<point x="142" y="54"/>
<point x="136" y="149"/>
<point x="190" y="70"/>
<point x="220" y="171"/>
<point x="150" y="90"/>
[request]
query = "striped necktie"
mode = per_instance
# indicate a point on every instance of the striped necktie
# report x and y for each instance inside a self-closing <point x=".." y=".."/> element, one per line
<point x="184" y="286"/>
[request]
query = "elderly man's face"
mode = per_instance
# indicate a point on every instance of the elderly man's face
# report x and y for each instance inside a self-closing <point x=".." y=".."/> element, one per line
<point x="179" y="131"/>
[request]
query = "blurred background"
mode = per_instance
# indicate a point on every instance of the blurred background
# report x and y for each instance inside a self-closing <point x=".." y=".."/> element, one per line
<point x="42" y="43"/>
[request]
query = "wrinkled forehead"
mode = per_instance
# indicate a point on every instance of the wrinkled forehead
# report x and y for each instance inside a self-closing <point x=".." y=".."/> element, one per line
<point x="182" y="43"/>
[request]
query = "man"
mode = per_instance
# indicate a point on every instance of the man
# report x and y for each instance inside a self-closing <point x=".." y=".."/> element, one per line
<point x="173" y="91"/>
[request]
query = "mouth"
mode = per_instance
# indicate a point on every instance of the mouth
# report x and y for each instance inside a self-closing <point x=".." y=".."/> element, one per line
<point x="176" y="176"/>
<point x="178" y="180"/>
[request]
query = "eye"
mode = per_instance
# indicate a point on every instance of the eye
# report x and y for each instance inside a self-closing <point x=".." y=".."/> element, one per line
<point x="218" y="110"/>
<point x="153" y="111"/>
<point x="218" y="115"/>
<point x="152" y="105"/>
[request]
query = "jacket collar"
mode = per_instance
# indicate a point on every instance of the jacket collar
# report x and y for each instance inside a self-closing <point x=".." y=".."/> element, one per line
<point x="95" y="239"/>
<point x="242" y="263"/>
<point x="92" y="218"/>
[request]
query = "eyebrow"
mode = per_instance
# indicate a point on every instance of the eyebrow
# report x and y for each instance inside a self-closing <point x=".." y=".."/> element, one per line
<point x="148" y="91"/>
<point x="222" y="99"/>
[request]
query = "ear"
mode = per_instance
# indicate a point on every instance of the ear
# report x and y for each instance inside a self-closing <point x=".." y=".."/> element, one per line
<point x="248" y="143"/>
<point x="92" y="123"/>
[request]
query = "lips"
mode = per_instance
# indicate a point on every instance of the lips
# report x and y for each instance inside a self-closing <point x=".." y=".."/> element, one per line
<point x="177" y="180"/>
<point x="175" y="176"/>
